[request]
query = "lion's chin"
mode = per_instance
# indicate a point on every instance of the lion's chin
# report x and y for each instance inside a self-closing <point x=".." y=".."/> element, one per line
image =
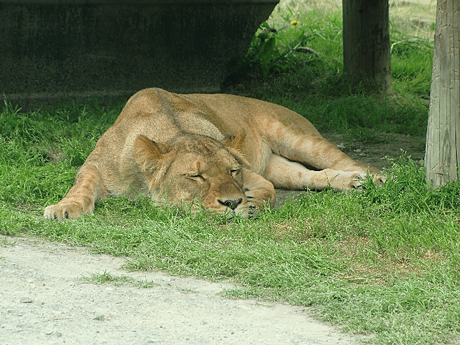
<point x="230" y="214"/>
<point x="195" y="206"/>
<point x="227" y="213"/>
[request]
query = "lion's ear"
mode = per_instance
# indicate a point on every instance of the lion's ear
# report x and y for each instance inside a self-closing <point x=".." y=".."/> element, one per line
<point x="235" y="141"/>
<point x="148" y="155"/>
<point x="234" y="145"/>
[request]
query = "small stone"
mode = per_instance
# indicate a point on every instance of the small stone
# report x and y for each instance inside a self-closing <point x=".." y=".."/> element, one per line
<point x="99" y="317"/>
<point x="26" y="300"/>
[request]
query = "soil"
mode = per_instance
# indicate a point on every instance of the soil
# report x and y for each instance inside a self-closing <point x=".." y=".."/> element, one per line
<point x="379" y="153"/>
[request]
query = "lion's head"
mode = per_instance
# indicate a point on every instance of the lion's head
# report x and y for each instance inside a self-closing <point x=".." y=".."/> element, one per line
<point x="195" y="168"/>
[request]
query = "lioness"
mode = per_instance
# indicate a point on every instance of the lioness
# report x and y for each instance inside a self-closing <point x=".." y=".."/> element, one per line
<point x="227" y="152"/>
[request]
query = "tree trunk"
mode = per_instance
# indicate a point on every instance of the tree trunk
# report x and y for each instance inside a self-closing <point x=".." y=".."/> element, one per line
<point x="366" y="43"/>
<point x="442" y="156"/>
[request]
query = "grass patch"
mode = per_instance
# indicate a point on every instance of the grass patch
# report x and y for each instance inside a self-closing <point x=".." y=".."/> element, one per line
<point x="315" y="86"/>
<point x="383" y="262"/>
<point x="107" y="278"/>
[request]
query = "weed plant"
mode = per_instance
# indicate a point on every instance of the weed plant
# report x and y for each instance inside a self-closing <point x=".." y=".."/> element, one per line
<point x="382" y="262"/>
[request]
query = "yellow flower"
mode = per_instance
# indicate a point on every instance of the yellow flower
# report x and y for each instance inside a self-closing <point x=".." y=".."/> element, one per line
<point x="294" y="22"/>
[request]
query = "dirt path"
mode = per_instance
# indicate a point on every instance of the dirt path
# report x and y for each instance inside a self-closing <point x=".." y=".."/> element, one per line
<point x="44" y="301"/>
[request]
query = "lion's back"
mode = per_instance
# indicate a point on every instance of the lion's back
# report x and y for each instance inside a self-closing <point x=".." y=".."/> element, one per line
<point x="161" y="115"/>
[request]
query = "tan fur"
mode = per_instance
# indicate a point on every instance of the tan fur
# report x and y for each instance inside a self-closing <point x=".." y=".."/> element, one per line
<point x="223" y="151"/>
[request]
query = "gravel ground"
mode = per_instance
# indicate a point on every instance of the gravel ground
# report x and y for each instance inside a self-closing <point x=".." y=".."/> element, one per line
<point x="43" y="300"/>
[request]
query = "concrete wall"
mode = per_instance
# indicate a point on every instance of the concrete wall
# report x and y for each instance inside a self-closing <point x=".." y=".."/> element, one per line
<point x="53" y="49"/>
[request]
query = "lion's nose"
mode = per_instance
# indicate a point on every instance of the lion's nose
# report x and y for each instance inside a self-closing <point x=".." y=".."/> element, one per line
<point x="231" y="203"/>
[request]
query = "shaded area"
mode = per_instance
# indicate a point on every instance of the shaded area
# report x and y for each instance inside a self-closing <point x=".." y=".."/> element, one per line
<point x="55" y="49"/>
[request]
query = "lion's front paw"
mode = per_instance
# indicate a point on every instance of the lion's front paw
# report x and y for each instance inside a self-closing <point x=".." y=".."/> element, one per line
<point x="65" y="210"/>
<point x="254" y="206"/>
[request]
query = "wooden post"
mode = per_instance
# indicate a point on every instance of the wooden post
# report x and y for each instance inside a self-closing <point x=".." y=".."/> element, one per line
<point x="366" y="43"/>
<point x="442" y="156"/>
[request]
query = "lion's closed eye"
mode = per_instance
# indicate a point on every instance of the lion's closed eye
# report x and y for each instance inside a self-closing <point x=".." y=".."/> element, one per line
<point x="196" y="177"/>
<point x="234" y="172"/>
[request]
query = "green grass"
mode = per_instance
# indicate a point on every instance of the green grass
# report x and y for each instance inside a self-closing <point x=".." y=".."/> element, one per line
<point x="107" y="278"/>
<point x="316" y="87"/>
<point x="382" y="263"/>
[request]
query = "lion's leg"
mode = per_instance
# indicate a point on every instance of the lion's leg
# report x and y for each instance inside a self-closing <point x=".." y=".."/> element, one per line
<point x="295" y="138"/>
<point x="258" y="191"/>
<point x="285" y="174"/>
<point x="299" y="141"/>
<point x="80" y="199"/>
<point x="318" y="152"/>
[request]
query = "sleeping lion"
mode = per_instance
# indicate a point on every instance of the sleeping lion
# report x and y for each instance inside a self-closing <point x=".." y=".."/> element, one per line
<point x="225" y="152"/>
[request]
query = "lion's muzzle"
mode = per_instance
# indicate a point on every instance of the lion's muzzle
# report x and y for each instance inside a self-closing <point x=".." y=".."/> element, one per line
<point x="231" y="203"/>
